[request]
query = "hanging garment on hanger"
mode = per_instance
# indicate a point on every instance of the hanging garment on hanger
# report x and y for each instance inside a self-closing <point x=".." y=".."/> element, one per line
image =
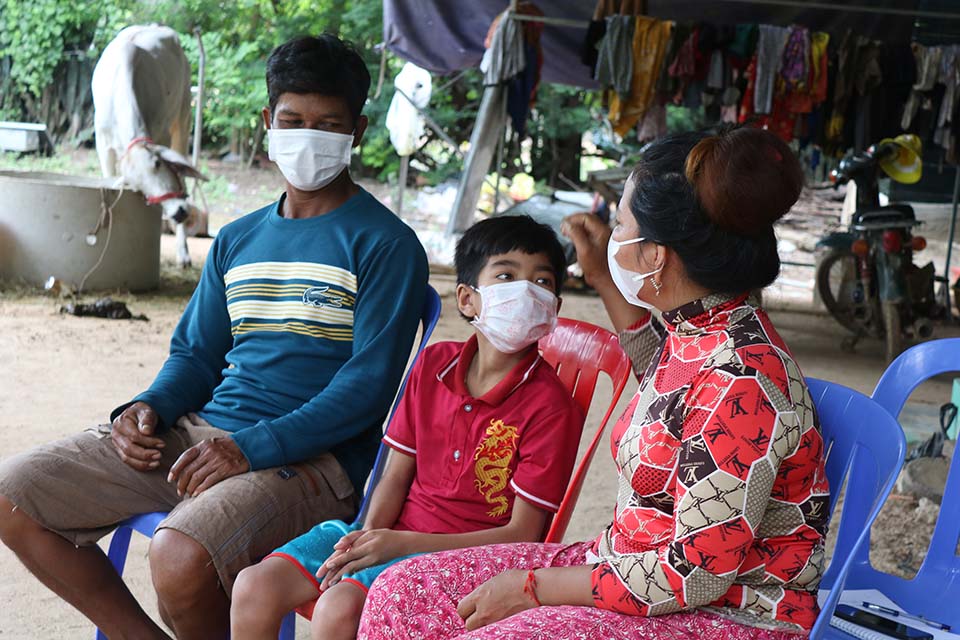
<point x="654" y="124"/>
<point x="948" y="77"/>
<point x="795" y="68"/>
<point x="842" y="91"/>
<point x="716" y="76"/>
<point x="819" y="60"/>
<point x="744" y="43"/>
<point x="522" y="88"/>
<point x="667" y="83"/>
<point x="650" y="41"/>
<point x="615" y="58"/>
<point x="595" y="32"/>
<point x="927" y="60"/>
<point x="505" y="56"/>
<point x="770" y="47"/>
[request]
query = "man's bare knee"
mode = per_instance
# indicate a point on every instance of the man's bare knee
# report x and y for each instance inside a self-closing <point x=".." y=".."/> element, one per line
<point x="16" y="526"/>
<point x="182" y="570"/>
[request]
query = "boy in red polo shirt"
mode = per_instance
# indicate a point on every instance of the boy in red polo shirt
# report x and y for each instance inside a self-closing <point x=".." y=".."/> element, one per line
<point x="481" y="423"/>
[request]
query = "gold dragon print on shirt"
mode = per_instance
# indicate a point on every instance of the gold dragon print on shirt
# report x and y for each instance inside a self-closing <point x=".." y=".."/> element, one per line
<point x="493" y="458"/>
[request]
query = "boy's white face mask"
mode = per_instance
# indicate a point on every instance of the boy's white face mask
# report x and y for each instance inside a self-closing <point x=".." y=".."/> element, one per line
<point x="309" y="159"/>
<point x="625" y="279"/>
<point x="514" y="315"/>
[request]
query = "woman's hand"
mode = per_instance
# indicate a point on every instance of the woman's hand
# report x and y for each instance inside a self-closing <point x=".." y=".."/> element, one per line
<point x="358" y="550"/>
<point x="590" y="235"/>
<point x="497" y="598"/>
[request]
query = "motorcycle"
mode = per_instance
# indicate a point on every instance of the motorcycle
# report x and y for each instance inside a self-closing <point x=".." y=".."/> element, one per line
<point x="867" y="278"/>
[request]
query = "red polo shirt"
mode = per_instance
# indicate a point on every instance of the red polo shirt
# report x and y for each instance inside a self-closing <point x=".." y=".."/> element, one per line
<point x="475" y="455"/>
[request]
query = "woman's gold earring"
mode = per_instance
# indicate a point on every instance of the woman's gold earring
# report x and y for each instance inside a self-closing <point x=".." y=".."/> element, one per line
<point x="657" y="285"/>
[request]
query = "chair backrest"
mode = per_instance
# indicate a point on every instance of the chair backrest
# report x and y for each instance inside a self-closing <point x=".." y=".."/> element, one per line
<point x="429" y="316"/>
<point x="865" y="446"/>
<point x="579" y="351"/>
<point x="935" y="590"/>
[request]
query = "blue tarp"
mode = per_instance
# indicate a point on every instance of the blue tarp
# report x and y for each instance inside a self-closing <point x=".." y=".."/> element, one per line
<point x="444" y="36"/>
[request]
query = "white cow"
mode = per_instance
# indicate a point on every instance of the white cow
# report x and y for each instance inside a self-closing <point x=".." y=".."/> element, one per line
<point x="141" y="97"/>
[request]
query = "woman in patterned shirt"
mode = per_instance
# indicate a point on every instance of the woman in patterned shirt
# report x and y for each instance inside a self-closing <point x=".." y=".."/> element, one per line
<point x="721" y="508"/>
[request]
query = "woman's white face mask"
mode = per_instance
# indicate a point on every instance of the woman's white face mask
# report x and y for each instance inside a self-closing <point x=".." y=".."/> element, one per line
<point x="514" y="315"/>
<point x="309" y="159"/>
<point x="625" y="279"/>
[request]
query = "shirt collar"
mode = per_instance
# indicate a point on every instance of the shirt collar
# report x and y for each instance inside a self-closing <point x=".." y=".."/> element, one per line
<point x="703" y="314"/>
<point x="454" y="374"/>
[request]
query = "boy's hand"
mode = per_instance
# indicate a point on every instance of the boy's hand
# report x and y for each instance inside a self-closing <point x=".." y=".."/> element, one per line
<point x="367" y="549"/>
<point x="590" y="235"/>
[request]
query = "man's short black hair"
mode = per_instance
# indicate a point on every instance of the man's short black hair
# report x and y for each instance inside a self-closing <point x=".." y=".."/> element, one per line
<point x="318" y="64"/>
<point x="496" y="236"/>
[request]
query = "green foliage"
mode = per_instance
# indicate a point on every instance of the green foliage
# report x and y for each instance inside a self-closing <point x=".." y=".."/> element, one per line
<point x="36" y="35"/>
<point x="238" y="36"/>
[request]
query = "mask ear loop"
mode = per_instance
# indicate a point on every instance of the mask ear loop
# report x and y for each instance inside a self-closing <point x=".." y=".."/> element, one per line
<point x="636" y="277"/>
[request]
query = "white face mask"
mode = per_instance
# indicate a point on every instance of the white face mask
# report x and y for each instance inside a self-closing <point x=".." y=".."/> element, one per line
<point x="309" y="159"/>
<point x="514" y="315"/>
<point x="624" y="278"/>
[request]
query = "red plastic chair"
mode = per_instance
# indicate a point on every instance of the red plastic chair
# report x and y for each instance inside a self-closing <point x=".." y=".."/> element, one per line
<point x="579" y="351"/>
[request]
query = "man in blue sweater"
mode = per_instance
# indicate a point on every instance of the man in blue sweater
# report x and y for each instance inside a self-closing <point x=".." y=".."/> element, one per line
<point x="266" y="416"/>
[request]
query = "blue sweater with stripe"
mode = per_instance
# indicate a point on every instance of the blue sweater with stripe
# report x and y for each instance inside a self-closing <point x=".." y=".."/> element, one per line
<point x="298" y="333"/>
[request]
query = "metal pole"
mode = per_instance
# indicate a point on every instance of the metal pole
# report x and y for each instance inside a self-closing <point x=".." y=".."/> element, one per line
<point x="198" y="118"/>
<point x="953" y="227"/>
<point x="402" y="182"/>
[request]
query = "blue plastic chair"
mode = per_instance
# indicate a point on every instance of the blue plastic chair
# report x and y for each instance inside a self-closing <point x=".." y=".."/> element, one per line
<point x="147" y="523"/>
<point x="865" y="445"/>
<point x="935" y="591"/>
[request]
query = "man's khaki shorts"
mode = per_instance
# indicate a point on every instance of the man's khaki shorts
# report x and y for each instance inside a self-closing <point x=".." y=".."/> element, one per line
<point x="79" y="488"/>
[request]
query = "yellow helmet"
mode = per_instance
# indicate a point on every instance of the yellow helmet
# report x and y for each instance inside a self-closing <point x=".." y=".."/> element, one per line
<point x="907" y="165"/>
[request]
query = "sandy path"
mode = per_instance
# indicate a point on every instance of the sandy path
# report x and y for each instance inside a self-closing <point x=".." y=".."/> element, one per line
<point x="59" y="374"/>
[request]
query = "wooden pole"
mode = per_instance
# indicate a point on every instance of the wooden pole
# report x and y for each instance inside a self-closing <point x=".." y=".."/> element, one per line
<point x="198" y="117"/>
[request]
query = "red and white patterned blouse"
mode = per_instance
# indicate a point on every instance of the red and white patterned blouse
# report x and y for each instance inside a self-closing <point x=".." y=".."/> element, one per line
<point x="723" y="499"/>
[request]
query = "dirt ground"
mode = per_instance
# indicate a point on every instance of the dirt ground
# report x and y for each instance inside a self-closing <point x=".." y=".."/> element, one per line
<point x="59" y="374"/>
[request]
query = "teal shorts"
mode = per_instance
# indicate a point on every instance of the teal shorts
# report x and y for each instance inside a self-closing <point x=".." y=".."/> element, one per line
<point x="309" y="551"/>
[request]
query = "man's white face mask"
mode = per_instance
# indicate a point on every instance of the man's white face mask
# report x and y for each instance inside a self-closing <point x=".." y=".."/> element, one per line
<point x="309" y="159"/>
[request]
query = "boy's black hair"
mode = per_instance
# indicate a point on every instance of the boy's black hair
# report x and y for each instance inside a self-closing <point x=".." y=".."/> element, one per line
<point x="496" y="236"/>
<point x="318" y="64"/>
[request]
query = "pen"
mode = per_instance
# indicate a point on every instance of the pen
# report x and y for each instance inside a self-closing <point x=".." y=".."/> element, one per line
<point x="900" y="614"/>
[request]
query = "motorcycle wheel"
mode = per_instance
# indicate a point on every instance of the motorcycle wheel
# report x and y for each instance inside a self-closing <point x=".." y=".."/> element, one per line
<point x="893" y="330"/>
<point x="836" y="283"/>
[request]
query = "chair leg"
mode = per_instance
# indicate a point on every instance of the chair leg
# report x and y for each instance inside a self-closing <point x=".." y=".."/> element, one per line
<point x="119" y="545"/>
<point x="288" y="628"/>
<point x="117" y="554"/>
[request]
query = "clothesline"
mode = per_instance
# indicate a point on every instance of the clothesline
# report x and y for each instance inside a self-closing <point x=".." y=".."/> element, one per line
<point x="941" y="15"/>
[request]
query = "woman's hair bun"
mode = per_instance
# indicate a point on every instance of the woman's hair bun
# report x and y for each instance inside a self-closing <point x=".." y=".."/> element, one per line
<point x="745" y="179"/>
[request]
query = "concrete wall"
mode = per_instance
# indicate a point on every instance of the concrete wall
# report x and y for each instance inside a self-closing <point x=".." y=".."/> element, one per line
<point x="49" y="227"/>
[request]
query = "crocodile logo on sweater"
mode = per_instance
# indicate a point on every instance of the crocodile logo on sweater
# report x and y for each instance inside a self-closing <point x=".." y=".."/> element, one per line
<point x="493" y="458"/>
<point x="322" y="297"/>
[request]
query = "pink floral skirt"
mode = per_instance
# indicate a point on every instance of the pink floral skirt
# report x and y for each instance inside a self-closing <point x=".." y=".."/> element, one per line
<point x="417" y="600"/>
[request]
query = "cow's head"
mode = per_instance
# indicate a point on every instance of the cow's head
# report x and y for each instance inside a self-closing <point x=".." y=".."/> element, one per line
<point x="158" y="172"/>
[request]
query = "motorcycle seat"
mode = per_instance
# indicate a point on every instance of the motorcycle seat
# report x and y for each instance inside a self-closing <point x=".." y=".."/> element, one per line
<point x="890" y="213"/>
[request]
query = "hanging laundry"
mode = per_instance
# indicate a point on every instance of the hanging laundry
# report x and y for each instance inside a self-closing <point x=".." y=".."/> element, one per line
<point x="770" y="45"/>
<point x="716" y="76"/>
<point x="683" y="66"/>
<point x="615" y="58"/>
<point x="744" y="43"/>
<point x="514" y="57"/>
<point x="596" y="29"/>
<point x="795" y="65"/>
<point x="819" y="61"/>
<point x="842" y="90"/>
<point x="927" y="60"/>
<point x="650" y="41"/>
<point x="948" y="78"/>
<point x="654" y="124"/>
